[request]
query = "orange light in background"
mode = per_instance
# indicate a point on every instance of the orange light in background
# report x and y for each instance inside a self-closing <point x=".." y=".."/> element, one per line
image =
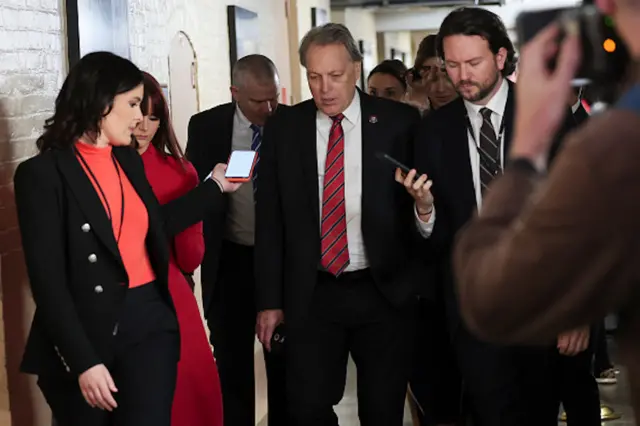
<point x="609" y="45"/>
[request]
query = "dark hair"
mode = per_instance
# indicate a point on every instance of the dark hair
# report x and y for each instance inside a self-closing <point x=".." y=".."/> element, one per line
<point x="258" y="66"/>
<point x="392" y="67"/>
<point x="476" y="21"/>
<point x="154" y="102"/>
<point x="426" y="49"/>
<point x="86" y="97"/>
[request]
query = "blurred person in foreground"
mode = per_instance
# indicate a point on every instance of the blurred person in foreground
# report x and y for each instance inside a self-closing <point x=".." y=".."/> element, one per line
<point x="569" y="239"/>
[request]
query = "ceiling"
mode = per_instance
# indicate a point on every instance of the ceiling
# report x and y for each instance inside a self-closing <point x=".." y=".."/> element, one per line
<point x="431" y="3"/>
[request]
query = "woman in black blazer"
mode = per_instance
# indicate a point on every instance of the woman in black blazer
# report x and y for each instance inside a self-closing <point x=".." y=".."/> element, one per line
<point x="104" y="343"/>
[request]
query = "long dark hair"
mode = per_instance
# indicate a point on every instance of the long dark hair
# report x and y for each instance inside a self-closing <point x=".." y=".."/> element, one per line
<point x="87" y="97"/>
<point x="476" y="21"/>
<point x="154" y="102"/>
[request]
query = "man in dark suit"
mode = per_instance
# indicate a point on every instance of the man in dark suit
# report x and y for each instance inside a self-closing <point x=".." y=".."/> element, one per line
<point x="461" y="147"/>
<point x="333" y="240"/>
<point x="227" y="269"/>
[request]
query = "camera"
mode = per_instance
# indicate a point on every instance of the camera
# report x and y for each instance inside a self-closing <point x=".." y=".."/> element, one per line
<point x="605" y="58"/>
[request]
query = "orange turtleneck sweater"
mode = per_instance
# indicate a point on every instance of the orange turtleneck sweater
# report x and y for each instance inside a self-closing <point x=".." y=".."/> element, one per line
<point x="135" y="225"/>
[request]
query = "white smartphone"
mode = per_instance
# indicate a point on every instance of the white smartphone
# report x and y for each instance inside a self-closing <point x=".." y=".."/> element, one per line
<point x="240" y="166"/>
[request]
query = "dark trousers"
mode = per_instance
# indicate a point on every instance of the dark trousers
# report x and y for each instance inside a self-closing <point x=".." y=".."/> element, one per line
<point x="232" y="323"/>
<point x="147" y="348"/>
<point x="349" y="316"/>
<point x="577" y="387"/>
<point x="601" y="361"/>
<point x="435" y="378"/>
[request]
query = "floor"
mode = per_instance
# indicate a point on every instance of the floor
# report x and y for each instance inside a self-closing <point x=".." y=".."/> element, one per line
<point x="613" y="396"/>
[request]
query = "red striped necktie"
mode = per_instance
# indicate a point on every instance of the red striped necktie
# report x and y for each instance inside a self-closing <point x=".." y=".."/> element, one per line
<point x="333" y="237"/>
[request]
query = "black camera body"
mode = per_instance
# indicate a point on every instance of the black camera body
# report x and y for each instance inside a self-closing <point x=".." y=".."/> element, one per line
<point x="605" y="58"/>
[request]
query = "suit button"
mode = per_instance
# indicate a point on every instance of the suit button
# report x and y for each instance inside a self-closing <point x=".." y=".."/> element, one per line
<point x="93" y="258"/>
<point x="86" y="227"/>
<point x="98" y="289"/>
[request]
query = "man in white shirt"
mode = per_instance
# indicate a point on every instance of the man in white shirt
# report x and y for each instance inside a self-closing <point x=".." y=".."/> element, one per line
<point x="334" y="241"/>
<point x="462" y="147"/>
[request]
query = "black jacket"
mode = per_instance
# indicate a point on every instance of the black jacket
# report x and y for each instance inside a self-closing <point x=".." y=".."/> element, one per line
<point x="76" y="273"/>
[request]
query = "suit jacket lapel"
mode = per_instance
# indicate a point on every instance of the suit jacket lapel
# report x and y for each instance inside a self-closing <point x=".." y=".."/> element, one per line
<point x="227" y="134"/>
<point x="87" y="199"/>
<point x="373" y="169"/>
<point x="508" y="120"/>
<point x="309" y="158"/>
<point x="458" y="148"/>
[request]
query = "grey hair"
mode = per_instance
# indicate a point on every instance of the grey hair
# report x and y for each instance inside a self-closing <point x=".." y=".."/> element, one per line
<point x="258" y="66"/>
<point x="330" y="33"/>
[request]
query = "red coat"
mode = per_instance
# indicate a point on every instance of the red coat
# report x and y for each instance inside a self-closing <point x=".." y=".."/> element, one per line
<point x="198" y="398"/>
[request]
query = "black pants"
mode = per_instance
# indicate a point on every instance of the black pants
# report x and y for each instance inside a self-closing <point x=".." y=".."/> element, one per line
<point x="577" y="387"/>
<point x="435" y="378"/>
<point x="147" y="348"/>
<point x="601" y="361"/>
<point x="232" y="322"/>
<point x="349" y="316"/>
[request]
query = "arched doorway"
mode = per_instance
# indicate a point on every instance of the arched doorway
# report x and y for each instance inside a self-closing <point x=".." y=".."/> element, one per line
<point x="183" y="84"/>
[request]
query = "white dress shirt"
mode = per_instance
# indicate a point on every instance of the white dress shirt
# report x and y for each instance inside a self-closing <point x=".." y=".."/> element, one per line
<point x="352" y="128"/>
<point x="497" y="106"/>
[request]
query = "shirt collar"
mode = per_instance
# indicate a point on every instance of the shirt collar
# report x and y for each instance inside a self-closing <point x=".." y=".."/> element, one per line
<point x="351" y="114"/>
<point x="242" y="119"/>
<point x="496" y="104"/>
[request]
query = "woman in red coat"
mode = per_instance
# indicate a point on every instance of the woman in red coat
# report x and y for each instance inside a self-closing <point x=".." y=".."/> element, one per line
<point x="198" y="399"/>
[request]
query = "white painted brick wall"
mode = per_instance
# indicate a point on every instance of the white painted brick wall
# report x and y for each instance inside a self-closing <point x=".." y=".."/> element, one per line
<point x="32" y="67"/>
<point x="154" y="23"/>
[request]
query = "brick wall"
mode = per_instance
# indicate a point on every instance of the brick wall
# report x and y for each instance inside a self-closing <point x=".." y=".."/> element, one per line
<point x="30" y="75"/>
<point x="154" y="23"/>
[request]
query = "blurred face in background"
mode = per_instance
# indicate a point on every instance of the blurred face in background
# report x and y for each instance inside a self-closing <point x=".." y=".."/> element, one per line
<point x="440" y="90"/>
<point x="146" y="129"/>
<point x="386" y="86"/>
<point x="472" y="67"/>
<point x="257" y="99"/>
<point x="118" y="125"/>
<point x="332" y="76"/>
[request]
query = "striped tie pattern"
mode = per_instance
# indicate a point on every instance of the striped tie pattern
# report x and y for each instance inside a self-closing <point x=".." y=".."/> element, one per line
<point x="333" y="239"/>
<point x="489" y="150"/>
<point x="256" y="141"/>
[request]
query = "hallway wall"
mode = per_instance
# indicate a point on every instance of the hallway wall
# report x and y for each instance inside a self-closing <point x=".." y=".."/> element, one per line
<point x="33" y="66"/>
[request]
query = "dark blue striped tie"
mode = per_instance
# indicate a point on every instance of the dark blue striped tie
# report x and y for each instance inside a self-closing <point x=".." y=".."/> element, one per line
<point x="256" y="141"/>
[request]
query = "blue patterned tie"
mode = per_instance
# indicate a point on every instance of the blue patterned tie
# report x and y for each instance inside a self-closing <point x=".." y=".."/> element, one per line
<point x="256" y="141"/>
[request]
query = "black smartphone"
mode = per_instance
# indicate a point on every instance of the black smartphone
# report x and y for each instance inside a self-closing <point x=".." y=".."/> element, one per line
<point x="605" y="57"/>
<point x="390" y="159"/>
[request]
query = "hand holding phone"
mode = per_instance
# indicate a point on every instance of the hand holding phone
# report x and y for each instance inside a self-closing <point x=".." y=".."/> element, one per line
<point x="240" y="166"/>
<point x="417" y="185"/>
<point x="218" y="175"/>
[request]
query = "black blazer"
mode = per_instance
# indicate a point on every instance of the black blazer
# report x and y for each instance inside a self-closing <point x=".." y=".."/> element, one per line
<point x="442" y="151"/>
<point x="76" y="273"/>
<point x="288" y="222"/>
<point x="210" y="137"/>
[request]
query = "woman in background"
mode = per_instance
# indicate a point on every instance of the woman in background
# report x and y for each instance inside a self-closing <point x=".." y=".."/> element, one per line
<point x="197" y="400"/>
<point x="387" y="80"/>
<point x="429" y="84"/>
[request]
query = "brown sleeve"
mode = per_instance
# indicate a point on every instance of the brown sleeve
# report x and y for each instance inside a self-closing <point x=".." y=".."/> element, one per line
<point x="547" y="256"/>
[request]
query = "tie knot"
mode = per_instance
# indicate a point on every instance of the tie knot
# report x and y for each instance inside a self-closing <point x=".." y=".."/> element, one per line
<point x="337" y="119"/>
<point x="486" y="113"/>
<point x="256" y="129"/>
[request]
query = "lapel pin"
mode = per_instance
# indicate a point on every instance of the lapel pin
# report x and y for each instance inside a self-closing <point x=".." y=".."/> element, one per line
<point x="373" y="119"/>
